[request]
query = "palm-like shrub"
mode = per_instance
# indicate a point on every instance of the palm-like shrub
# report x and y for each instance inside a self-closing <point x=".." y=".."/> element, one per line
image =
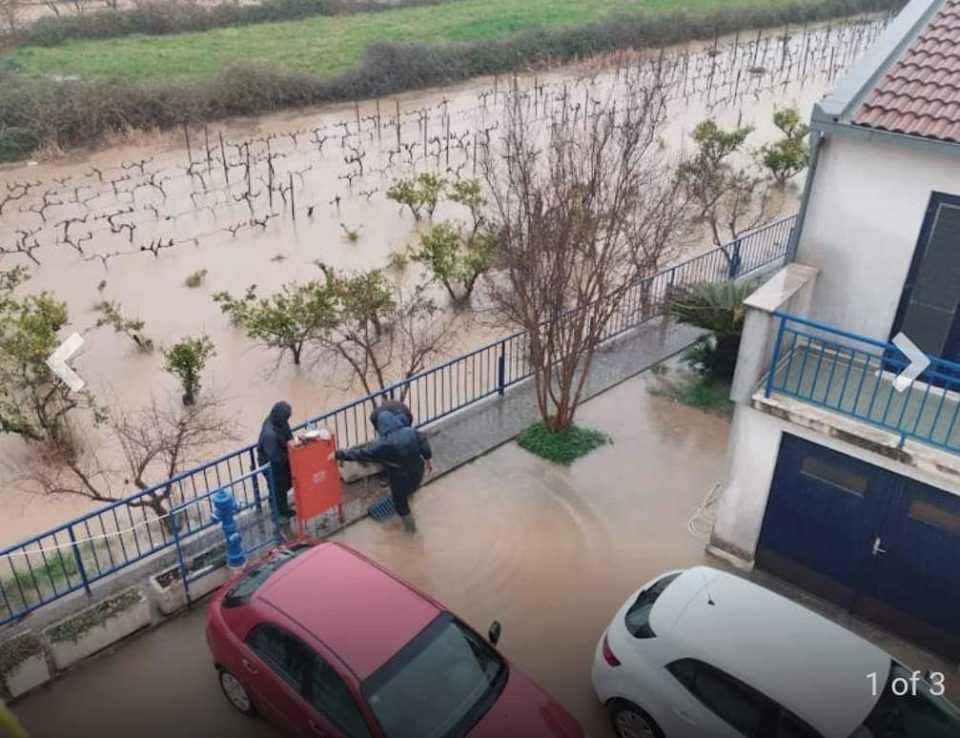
<point x="718" y="308"/>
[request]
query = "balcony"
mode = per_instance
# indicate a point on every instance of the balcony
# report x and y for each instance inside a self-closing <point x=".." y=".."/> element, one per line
<point x="844" y="373"/>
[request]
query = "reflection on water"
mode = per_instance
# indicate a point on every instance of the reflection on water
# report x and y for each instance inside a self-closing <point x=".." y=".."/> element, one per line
<point x="262" y="201"/>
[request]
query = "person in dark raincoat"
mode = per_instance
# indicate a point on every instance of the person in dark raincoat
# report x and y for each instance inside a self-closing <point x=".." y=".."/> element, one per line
<point x="398" y="408"/>
<point x="404" y="452"/>
<point x="272" y="448"/>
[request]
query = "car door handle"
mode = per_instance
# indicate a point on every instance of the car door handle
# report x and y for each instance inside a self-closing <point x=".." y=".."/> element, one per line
<point x="683" y="716"/>
<point x="249" y="667"/>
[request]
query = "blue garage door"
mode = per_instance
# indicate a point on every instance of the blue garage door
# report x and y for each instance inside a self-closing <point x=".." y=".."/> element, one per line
<point x="881" y="545"/>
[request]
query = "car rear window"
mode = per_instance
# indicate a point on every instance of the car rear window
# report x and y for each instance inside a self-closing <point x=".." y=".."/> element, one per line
<point x="241" y="592"/>
<point x="638" y="616"/>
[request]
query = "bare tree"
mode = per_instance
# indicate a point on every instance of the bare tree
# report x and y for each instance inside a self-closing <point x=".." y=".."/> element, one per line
<point x="156" y="442"/>
<point x="584" y="209"/>
<point x="10" y="15"/>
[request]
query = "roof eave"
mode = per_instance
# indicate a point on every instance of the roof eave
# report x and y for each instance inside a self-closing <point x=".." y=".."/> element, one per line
<point x="860" y="80"/>
<point x="825" y="123"/>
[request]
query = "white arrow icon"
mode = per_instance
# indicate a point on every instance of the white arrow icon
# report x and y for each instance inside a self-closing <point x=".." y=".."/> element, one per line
<point x="57" y="362"/>
<point x="919" y="362"/>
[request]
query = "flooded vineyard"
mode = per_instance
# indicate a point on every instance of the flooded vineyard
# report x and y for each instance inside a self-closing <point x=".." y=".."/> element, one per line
<point x="158" y="226"/>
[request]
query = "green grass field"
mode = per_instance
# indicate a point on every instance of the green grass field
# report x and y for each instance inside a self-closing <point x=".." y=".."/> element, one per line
<point x="325" y="45"/>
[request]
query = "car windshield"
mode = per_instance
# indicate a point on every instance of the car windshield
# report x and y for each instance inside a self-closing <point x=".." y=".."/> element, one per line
<point x="256" y="575"/>
<point x="638" y="616"/>
<point x="919" y="714"/>
<point x="439" y="685"/>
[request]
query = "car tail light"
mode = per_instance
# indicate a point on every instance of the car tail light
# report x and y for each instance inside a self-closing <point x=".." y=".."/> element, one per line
<point x="608" y="653"/>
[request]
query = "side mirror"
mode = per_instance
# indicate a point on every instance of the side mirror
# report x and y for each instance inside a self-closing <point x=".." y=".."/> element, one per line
<point x="493" y="635"/>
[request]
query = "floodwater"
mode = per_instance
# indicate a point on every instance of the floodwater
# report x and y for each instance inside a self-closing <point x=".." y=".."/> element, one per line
<point x="132" y="222"/>
<point x="550" y="552"/>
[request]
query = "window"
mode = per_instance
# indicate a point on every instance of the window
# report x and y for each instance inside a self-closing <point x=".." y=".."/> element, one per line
<point x="731" y="700"/>
<point x="835" y="476"/>
<point x="920" y="714"/>
<point x="927" y="512"/>
<point x="241" y="592"/>
<point x="326" y="691"/>
<point x="289" y="658"/>
<point x="439" y="684"/>
<point x="638" y="616"/>
<point x="790" y="727"/>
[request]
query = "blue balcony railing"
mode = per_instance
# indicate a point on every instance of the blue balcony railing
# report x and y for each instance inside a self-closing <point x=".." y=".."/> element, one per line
<point x="853" y="375"/>
<point x="74" y="555"/>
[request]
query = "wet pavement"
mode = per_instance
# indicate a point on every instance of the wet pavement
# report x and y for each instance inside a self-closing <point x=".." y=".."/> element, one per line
<point x="551" y="552"/>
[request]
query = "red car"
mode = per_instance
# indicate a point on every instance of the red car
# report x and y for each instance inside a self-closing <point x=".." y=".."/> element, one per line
<point x="324" y="642"/>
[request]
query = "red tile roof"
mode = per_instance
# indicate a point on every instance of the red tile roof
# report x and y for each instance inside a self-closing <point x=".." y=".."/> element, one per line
<point x="920" y="95"/>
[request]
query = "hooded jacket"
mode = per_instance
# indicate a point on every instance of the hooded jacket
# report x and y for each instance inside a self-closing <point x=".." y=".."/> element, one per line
<point x="400" y="448"/>
<point x="272" y="445"/>
<point x="398" y="408"/>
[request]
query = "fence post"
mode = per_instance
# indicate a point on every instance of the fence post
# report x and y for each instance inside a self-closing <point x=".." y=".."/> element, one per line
<point x="180" y="562"/>
<point x="776" y="356"/>
<point x="224" y="506"/>
<point x="734" y="261"/>
<point x="257" y="501"/>
<point x="79" y="559"/>
<point x="502" y="369"/>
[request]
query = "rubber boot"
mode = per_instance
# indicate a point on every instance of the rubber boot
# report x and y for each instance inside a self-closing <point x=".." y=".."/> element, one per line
<point x="409" y="524"/>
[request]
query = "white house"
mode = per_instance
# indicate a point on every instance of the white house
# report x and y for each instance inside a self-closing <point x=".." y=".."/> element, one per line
<point x="839" y="477"/>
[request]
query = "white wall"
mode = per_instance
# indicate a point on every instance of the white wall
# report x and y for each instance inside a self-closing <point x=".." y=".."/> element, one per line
<point x="751" y="460"/>
<point x="864" y="216"/>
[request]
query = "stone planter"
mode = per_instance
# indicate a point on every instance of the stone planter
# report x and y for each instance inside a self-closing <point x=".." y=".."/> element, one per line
<point x="210" y="572"/>
<point x="23" y="664"/>
<point x="97" y="627"/>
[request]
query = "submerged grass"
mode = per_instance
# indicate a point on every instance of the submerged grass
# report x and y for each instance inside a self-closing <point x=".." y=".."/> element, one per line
<point x="705" y="393"/>
<point x="561" y="448"/>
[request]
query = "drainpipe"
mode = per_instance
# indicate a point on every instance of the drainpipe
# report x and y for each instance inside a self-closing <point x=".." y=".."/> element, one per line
<point x="815" y="139"/>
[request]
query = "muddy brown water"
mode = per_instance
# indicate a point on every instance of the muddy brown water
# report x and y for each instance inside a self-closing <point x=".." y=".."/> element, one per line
<point x="123" y="223"/>
<point x="551" y="552"/>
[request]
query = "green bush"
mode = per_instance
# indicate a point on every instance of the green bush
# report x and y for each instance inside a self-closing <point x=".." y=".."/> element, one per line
<point x="561" y="448"/>
<point x="66" y="113"/>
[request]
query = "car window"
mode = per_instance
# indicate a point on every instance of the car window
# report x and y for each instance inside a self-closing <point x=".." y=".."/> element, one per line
<point x="440" y="684"/>
<point x="326" y="691"/>
<point x="790" y="727"/>
<point x="288" y="657"/>
<point x="256" y="575"/>
<point x="638" y="616"/>
<point x="913" y="714"/>
<point x="728" y="698"/>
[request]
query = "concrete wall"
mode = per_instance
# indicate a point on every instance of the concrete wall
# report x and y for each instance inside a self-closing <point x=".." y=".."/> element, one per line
<point x="752" y="457"/>
<point x="865" y="212"/>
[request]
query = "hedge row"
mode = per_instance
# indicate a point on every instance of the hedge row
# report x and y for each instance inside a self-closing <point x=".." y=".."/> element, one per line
<point x="159" y="17"/>
<point x="34" y="113"/>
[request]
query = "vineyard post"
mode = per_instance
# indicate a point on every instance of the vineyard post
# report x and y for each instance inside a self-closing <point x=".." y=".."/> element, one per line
<point x="223" y="158"/>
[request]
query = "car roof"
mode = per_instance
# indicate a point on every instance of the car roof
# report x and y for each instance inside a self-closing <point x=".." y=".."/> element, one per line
<point x="808" y="664"/>
<point x="358" y="610"/>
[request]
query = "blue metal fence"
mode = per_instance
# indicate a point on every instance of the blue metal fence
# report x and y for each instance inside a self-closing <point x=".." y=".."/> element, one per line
<point x="853" y="375"/>
<point x="75" y="555"/>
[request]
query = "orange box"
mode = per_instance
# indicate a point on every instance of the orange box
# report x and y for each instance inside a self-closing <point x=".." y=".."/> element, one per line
<point x="316" y="479"/>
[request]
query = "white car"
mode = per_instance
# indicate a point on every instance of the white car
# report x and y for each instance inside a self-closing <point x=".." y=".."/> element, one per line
<point x="702" y="654"/>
